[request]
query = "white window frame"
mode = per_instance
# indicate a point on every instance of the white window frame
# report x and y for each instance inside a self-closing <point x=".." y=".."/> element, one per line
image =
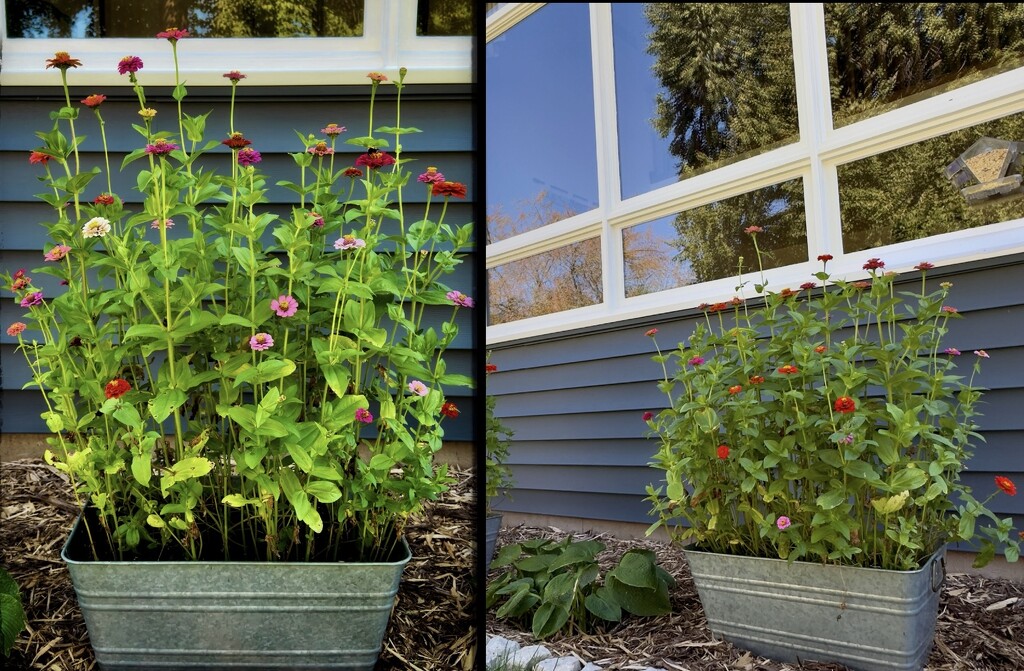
<point x="389" y="41"/>
<point x="815" y="158"/>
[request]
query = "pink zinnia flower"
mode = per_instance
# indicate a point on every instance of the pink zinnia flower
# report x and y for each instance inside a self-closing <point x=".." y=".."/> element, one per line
<point x="167" y="224"/>
<point x="982" y="353"/>
<point x="318" y="221"/>
<point x="235" y="76"/>
<point x="261" y="341"/>
<point x="459" y="298"/>
<point x="38" y="157"/>
<point x="431" y="176"/>
<point x="651" y="333"/>
<point x="333" y="129"/>
<point x="418" y="388"/>
<point x="952" y="351"/>
<point x="782" y="523"/>
<point x="363" y="415"/>
<point x="377" y="77"/>
<point x="160" y="147"/>
<point x="248" y="156"/>
<point x="34" y="298"/>
<point x="57" y="253"/>
<point x="320" y="149"/>
<point x="284" y="306"/>
<point x="696" y="361"/>
<point x="172" y="35"/>
<point x="349" y="242"/>
<point x="94" y="101"/>
<point x="16" y="328"/>
<point x="949" y="309"/>
<point x="750" y="230"/>
<point x="130" y="64"/>
<point x="648" y="416"/>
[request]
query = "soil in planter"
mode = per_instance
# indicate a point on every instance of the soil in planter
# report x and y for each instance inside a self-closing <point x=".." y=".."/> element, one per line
<point x="242" y="546"/>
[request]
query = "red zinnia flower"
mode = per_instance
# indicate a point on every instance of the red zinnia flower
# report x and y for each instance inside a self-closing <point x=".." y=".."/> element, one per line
<point x="62" y="60"/>
<point x="787" y="292"/>
<point x="651" y="332"/>
<point x="376" y="159"/>
<point x="807" y="286"/>
<point x="723" y="451"/>
<point x="128" y="64"/>
<point x="648" y="416"/>
<point x="103" y="199"/>
<point x="874" y="264"/>
<point x="820" y="349"/>
<point x="38" y="157"/>
<point x="845" y="404"/>
<point x="756" y="379"/>
<point x="825" y="258"/>
<point x="172" y="35"/>
<point x="117" y="388"/>
<point x="353" y="172"/>
<point x="788" y="369"/>
<point x="491" y="368"/>
<point x="735" y="389"/>
<point x="449" y="410"/>
<point x="924" y="266"/>
<point x="456" y="189"/>
<point x="94" y="101"/>
<point x="1006" y="485"/>
<point x="718" y="307"/>
<point x="236" y="141"/>
<point x="235" y="76"/>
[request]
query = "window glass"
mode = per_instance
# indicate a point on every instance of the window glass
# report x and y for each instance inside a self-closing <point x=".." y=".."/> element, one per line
<point x="905" y="194"/>
<point x="699" y="85"/>
<point x="883" y="55"/>
<point x="706" y="242"/>
<point x="541" y="141"/>
<point x="441" y="18"/>
<point x="559" y="279"/>
<point x="202" y="18"/>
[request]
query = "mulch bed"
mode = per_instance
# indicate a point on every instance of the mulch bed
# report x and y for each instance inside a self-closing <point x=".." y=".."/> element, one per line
<point x="431" y="628"/>
<point x="980" y="625"/>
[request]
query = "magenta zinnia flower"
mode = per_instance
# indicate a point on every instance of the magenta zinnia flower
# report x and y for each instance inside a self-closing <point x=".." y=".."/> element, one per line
<point x="696" y="361"/>
<point x="34" y="298"/>
<point x="418" y="388"/>
<point x="952" y="351"/>
<point x="57" y="253"/>
<point x="782" y="523"/>
<point x="284" y="306"/>
<point x="648" y="416"/>
<point x="431" y="176"/>
<point x="460" y="299"/>
<point x="363" y="415"/>
<point x="172" y="35"/>
<point x="248" y="156"/>
<point x="128" y="64"/>
<point x="376" y="159"/>
<point x="161" y="147"/>
<point x="261" y="341"/>
<point x="318" y="221"/>
<point x="874" y="264"/>
<point x="235" y="76"/>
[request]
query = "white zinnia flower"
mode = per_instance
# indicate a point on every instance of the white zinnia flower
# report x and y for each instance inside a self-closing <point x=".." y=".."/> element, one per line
<point x="96" y="227"/>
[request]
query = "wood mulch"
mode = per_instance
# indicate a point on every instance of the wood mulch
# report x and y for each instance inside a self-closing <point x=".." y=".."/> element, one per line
<point x="980" y="625"/>
<point x="432" y="626"/>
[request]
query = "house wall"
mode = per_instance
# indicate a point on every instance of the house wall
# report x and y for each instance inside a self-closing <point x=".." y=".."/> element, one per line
<point x="575" y="402"/>
<point x="267" y="115"/>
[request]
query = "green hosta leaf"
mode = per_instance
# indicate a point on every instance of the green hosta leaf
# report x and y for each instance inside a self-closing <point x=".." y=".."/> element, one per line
<point x="636" y="568"/>
<point x="548" y="619"/>
<point x="519" y="603"/>
<point x="12" y="618"/>
<point x="577" y="553"/>
<point x="506" y="555"/>
<point x="561" y="588"/>
<point x="602" y="604"/>
<point x="535" y="563"/>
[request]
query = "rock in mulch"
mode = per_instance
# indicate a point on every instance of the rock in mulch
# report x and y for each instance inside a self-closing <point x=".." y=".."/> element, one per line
<point x="980" y="625"/>
<point x="433" y="626"/>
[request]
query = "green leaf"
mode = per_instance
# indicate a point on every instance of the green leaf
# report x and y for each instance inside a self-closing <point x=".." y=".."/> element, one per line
<point x="548" y="619"/>
<point x="908" y="479"/>
<point x="299" y="455"/>
<point x="236" y="320"/>
<point x="186" y="469"/>
<point x="146" y="331"/>
<point x="237" y="500"/>
<point x="636" y="568"/>
<point x="323" y="491"/>
<point x="155" y="521"/>
<point x="506" y="555"/>
<point x="167" y="400"/>
<point x="12" y="620"/>
<point x="603" y="605"/>
<point x="142" y="468"/>
<point x="129" y="416"/>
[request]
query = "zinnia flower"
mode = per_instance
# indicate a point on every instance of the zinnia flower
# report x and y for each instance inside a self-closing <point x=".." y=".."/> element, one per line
<point x="349" y="242"/>
<point x="284" y="306"/>
<point x="952" y="351"/>
<point x="750" y="230"/>
<point x="261" y="341"/>
<point x="376" y="159"/>
<point x="236" y="141"/>
<point x="723" y="451"/>
<point x="94" y="101"/>
<point x="806" y="286"/>
<point x="363" y="415"/>
<point x="377" y="77"/>
<point x="19" y="280"/>
<point x="172" y="35"/>
<point x="820" y="349"/>
<point x="235" y="76"/>
<point x="418" y="388"/>
<point x="318" y="221"/>
<point x="845" y="404"/>
<point x="648" y="416"/>
<point x="874" y="264"/>
<point x="15" y="329"/>
<point x="57" y="253"/>
<point x="788" y="369"/>
<point x="946" y="285"/>
<point x="333" y="129"/>
<point x="651" y="333"/>
<point x="1006" y="485"/>
<point x="949" y="309"/>
<point x="147" y="113"/>
<point x="97" y="227"/>
<point x="825" y="258"/>
<point x="696" y="361"/>
<point x="62" y="60"/>
<point x="982" y="353"/>
<point x="735" y="389"/>
<point x="453" y="189"/>
<point x="38" y="157"/>
<point x="449" y="409"/>
<point x="117" y="388"/>
<point x="160" y="147"/>
<point x="168" y="223"/>
<point x="353" y="172"/>
<point x="756" y="379"/>
<point x="248" y="157"/>
<point x="924" y="265"/>
<point x="103" y="199"/>
<point x="34" y="298"/>
<point x="862" y="285"/>
<point x="459" y="298"/>
<point x="491" y="368"/>
<point x="128" y="64"/>
<point x="320" y="149"/>
<point x="782" y="523"/>
<point x="431" y="176"/>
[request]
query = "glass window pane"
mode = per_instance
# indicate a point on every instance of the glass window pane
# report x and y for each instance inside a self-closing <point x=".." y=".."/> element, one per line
<point x="706" y="243"/>
<point x="699" y="85"/>
<point x="541" y="142"/>
<point x="202" y="18"/>
<point x="440" y="18"/>
<point x="884" y="55"/>
<point x="560" y="279"/>
<point x="904" y="194"/>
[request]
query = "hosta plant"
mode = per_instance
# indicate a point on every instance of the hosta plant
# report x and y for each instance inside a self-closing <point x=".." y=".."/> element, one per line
<point x="830" y="423"/>
<point x="225" y="382"/>
<point x="554" y="584"/>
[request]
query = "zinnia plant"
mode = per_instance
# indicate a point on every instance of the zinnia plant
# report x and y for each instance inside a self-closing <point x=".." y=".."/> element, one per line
<point x="828" y="424"/>
<point x="243" y="385"/>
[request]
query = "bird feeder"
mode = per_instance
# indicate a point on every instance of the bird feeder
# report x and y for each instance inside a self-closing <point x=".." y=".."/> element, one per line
<point x="981" y="172"/>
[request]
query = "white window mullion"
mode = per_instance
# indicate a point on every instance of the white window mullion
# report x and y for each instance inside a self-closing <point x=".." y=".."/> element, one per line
<point x="607" y="149"/>
<point x="814" y="108"/>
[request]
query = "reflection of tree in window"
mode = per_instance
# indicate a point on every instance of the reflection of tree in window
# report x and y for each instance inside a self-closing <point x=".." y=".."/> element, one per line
<point x="444" y="17"/>
<point x="726" y="73"/>
<point x="203" y="18"/>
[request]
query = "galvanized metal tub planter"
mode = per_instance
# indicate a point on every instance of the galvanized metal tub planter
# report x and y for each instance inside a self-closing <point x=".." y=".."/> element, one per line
<point x="867" y="619"/>
<point x="209" y="615"/>
<point x="493" y="526"/>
